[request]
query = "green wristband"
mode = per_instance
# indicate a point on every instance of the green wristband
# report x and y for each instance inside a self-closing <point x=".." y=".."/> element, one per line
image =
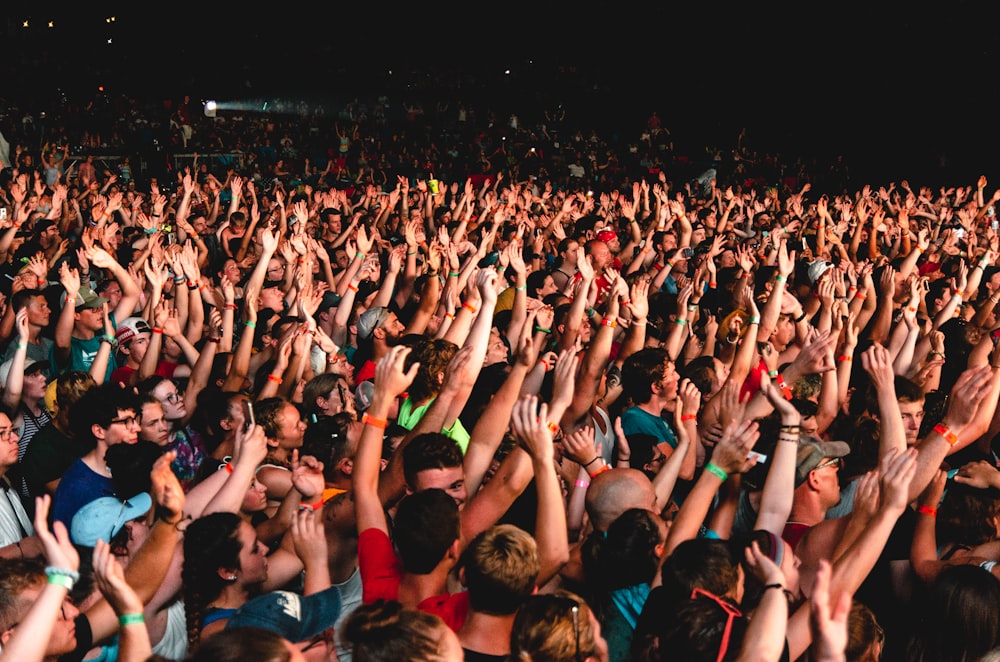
<point x="131" y="619"/>
<point x="252" y="325"/>
<point x="716" y="471"/>
<point x="61" y="580"/>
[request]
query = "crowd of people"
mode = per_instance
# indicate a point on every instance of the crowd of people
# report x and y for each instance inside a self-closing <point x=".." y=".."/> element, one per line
<point x="437" y="384"/>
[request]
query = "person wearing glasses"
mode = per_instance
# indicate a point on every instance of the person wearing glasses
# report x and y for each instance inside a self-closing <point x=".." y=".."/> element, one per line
<point x="559" y="627"/>
<point x="817" y="488"/>
<point x="105" y="415"/>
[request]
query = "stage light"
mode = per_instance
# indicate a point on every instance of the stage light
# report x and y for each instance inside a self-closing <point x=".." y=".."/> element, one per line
<point x="210" y="108"/>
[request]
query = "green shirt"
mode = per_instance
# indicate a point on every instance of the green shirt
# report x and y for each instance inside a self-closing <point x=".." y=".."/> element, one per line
<point x="409" y="417"/>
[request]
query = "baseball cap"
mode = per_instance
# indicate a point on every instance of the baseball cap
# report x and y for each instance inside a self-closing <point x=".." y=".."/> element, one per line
<point x="816" y="269"/>
<point x="293" y="616"/>
<point x="130" y="328"/>
<point x="812" y="452"/>
<point x="85" y="298"/>
<point x="104" y="517"/>
<point x="370" y="320"/>
<point x="363" y="395"/>
<point x="30" y="365"/>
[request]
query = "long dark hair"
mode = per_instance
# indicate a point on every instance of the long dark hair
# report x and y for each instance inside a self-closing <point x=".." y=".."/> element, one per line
<point x="210" y="542"/>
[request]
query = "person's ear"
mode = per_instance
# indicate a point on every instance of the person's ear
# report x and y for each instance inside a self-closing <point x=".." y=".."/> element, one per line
<point x="98" y="431"/>
<point x="346" y="466"/>
<point x="227" y="574"/>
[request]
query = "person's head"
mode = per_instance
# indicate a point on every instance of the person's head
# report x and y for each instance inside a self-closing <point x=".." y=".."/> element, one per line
<point x="433" y="355"/>
<point x="70" y="387"/>
<point x="154" y="425"/>
<point x="911" y="407"/>
<point x="541" y="284"/>
<point x="712" y="565"/>
<point x="107" y="414"/>
<point x="646" y="453"/>
<point x="776" y="549"/>
<point x="21" y="583"/>
<point x="110" y="290"/>
<point x="968" y="516"/>
<point x="649" y="372"/>
<point x="132" y="338"/>
<point x="600" y="255"/>
<point x="165" y="390"/>
<point x="704" y="628"/>
<point x="628" y="555"/>
<point x="499" y="568"/>
<point x="327" y="394"/>
<point x="613" y="492"/>
<point x="958" y="616"/>
<point x="817" y="471"/>
<point x="433" y="460"/>
<point x="281" y="421"/>
<point x="8" y="442"/>
<point x="557" y="627"/>
<point x="426" y="531"/>
<point x="39" y="311"/>
<point x="246" y="643"/>
<point x="384" y="631"/>
<point x="333" y="440"/>
<point x="708" y="374"/>
<point x="220" y="550"/>
<point x="864" y="635"/>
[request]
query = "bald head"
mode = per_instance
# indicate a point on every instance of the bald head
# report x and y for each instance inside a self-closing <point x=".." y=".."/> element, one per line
<point x="613" y="492"/>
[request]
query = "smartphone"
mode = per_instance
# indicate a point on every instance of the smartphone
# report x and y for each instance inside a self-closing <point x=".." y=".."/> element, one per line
<point x="3" y="213"/>
<point x="960" y="233"/>
<point x="248" y="418"/>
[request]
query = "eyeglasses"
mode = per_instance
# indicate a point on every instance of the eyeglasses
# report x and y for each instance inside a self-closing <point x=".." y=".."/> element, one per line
<point x="325" y="637"/>
<point x="173" y="397"/>
<point x="731" y="613"/>
<point x="128" y="421"/>
<point x="835" y="461"/>
<point x="8" y="434"/>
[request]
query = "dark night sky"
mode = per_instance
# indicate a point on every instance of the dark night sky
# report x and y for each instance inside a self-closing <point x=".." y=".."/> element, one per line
<point x="904" y="89"/>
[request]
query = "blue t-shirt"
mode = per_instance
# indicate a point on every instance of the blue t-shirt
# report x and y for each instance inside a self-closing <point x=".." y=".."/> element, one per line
<point x="638" y="421"/>
<point x="79" y="486"/>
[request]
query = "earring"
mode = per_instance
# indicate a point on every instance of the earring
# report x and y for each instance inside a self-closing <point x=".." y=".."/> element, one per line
<point x="232" y="578"/>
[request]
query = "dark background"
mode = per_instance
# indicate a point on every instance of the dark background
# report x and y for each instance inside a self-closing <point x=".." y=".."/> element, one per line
<point x="900" y="91"/>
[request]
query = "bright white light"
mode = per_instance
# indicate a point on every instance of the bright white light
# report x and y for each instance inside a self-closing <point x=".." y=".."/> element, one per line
<point x="210" y="108"/>
<point x="50" y="24"/>
<point x="506" y="72"/>
<point x="24" y="25"/>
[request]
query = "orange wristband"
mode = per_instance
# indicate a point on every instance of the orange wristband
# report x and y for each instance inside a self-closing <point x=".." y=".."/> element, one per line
<point x="275" y="379"/>
<point x="379" y="423"/>
<point x="472" y="309"/>
<point x="689" y="417"/>
<point x="946" y="432"/>
<point x="600" y="471"/>
<point x="312" y="506"/>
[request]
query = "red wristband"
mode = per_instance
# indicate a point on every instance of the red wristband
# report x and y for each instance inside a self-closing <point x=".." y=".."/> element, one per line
<point x="946" y="432"/>
<point x="275" y="379"/>
<point x="927" y="510"/>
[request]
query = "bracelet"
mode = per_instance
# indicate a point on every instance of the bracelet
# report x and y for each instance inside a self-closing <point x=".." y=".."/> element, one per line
<point x="941" y="354"/>
<point x="108" y="338"/>
<point x="582" y="483"/>
<point x="230" y="306"/>
<point x="21" y="345"/>
<point x="274" y="378"/>
<point x="712" y="286"/>
<point x="787" y="437"/>
<point x="606" y="467"/>
<point x="359" y="254"/>
<point x="541" y="330"/>
<point x="157" y="330"/>
<point x="131" y="619"/>
<point x="770" y="586"/>
<point x="379" y="423"/>
<point x="596" y="458"/>
<point x="468" y="306"/>
<point x="251" y="325"/>
<point x="779" y="279"/>
<point x="689" y="417"/>
<point x="959" y="293"/>
<point x="772" y="373"/>
<point x="61" y="580"/>
<point x="229" y="467"/>
<point x="843" y="357"/>
<point x="785" y="390"/>
<point x="791" y="429"/>
<point x="553" y="428"/>
<point x="176" y="280"/>
<point x="800" y="317"/>
<point x="860" y="296"/>
<point x="408" y="253"/>
<point x="927" y="510"/>
<point x="193" y="285"/>
<point x="717" y="471"/>
<point x="680" y="321"/>
<point x="946" y="432"/>
<point x="450" y="316"/>
<point x="520" y="288"/>
<point x="590" y="312"/>
<point x="65" y="572"/>
<point x="609" y="323"/>
<point x="311" y="506"/>
<point x="753" y="320"/>
<point x="452" y="274"/>
<point x="352" y="287"/>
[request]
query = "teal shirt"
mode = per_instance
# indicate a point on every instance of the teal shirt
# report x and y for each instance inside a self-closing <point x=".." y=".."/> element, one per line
<point x="637" y="421"/>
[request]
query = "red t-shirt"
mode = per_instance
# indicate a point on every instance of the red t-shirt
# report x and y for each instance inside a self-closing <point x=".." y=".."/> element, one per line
<point x="381" y="572"/>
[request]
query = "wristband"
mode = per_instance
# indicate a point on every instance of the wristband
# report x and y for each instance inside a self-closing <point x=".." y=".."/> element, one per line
<point x="521" y="288"/>
<point x="352" y="287"/>
<point x="359" y="254"/>
<point x="22" y="345"/>
<point x="231" y="306"/>
<point x="680" y="321"/>
<point x="408" y="253"/>
<point x="860" y="296"/>
<point x="590" y="312"/>
<point x="596" y="458"/>
<point x="274" y="378"/>
<point x="927" y="510"/>
<point x="609" y="323"/>
<point x="108" y="338"/>
<point x="472" y="309"/>
<point x="717" y="471"/>
<point x="800" y="317"/>
<point x="582" y="483"/>
<point x="229" y="467"/>
<point x="843" y="357"/>
<point x="131" y="619"/>
<point x="770" y="586"/>
<point x="311" y="506"/>
<point x="753" y="320"/>
<point x="553" y="428"/>
<point x="599" y="471"/>
<point x="157" y="330"/>
<point x="452" y="274"/>
<point x="65" y="581"/>
<point x="450" y="316"/>
<point x="541" y="330"/>
<point x="946" y="432"/>
<point x="779" y="279"/>
<point x="194" y="285"/>
<point x="379" y="423"/>
<point x="72" y="574"/>
<point x="785" y="390"/>
<point x="177" y="280"/>
<point x="689" y="417"/>
<point x="713" y="285"/>
<point x="252" y="325"/>
<point x="772" y="373"/>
